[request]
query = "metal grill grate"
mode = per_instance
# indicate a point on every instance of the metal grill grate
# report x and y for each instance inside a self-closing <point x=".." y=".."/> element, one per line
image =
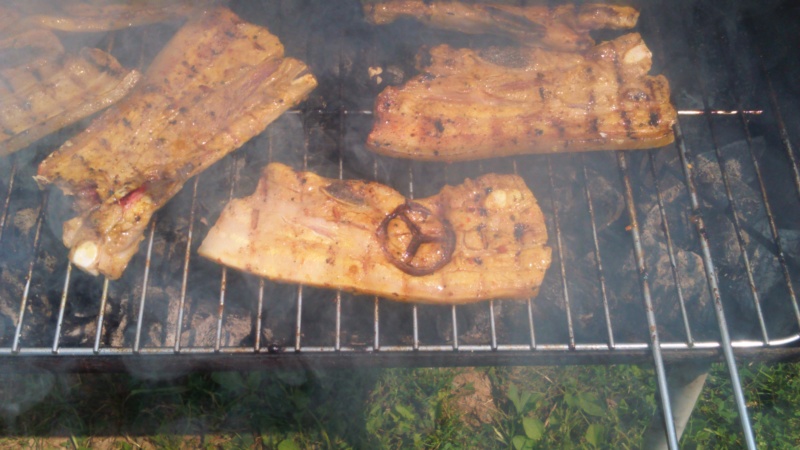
<point x="622" y="288"/>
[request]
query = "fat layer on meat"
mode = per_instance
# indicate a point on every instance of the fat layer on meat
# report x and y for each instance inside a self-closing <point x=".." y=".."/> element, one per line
<point x="43" y="89"/>
<point x="95" y="16"/>
<point x="564" y="27"/>
<point x="487" y="237"/>
<point x="469" y="104"/>
<point x="216" y="84"/>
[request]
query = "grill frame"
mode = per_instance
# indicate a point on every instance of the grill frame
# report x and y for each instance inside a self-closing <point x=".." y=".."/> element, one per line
<point x="177" y="357"/>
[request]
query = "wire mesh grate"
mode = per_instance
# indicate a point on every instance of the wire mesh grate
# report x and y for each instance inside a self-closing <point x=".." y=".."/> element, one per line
<point x="680" y="252"/>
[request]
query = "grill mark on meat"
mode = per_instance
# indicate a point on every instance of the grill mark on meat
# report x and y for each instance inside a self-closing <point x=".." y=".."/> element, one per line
<point x="439" y="126"/>
<point x="591" y="117"/>
<point x="513" y="58"/>
<point x="513" y="258"/>
<point x="533" y="29"/>
<point x="245" y="104"/>
<point x="655" y="113"/>
<point x="593" y="125"/>
<point x="626" y="122"/>
<point x="525" y="111"/>
<point x="637" y="95"/>
<point x="618" y="70"/>
<point x="559" y="126"/>
<point x="655" y="118"/>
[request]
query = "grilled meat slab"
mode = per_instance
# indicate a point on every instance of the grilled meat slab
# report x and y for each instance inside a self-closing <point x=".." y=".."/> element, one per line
<point x="563" y="27"/>
<point x="479" y="240"/>
<point x="43" y="89"/>
<point x="470" y="104"/>
<point x="106" y="15"/>
<point x="216" y="84"/>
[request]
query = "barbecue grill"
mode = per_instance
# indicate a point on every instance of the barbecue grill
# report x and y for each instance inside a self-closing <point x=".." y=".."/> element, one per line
<point x="681" y="254"/>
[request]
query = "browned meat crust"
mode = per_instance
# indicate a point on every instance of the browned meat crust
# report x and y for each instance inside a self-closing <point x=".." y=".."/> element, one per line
<point x="43" y="89"/>
<point x="483" y="239"/>
<point x="470" y="105"/>
<point x="216" y="84"/>
<point x="106" y="15"/>
<point x="563" y="27"/>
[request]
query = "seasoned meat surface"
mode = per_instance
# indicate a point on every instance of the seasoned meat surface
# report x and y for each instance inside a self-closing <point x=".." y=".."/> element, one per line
<point x="469" y="104"/>
<point x="482" y="239"/>
<point x="43" y="89"/>
<point x="103" y="15"/>
<point x="564" y="27"/>
<point x="216" y="84"/>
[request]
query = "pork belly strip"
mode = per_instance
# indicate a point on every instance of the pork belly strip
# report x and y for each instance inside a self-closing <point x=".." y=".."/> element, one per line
<point x="93" y="16"/>
<point x="468" y="104"/>
<point x="564" y="27"/>
<point x="217" y="83"/>
<point x="43" y="89"/>
<point x="483" y="239"/>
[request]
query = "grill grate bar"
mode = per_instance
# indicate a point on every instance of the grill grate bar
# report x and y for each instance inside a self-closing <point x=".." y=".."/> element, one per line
<point x="377" y="301"/>
<point x="61" y="308"/>
<point x="376" y="328"/>
<point x="259" y="315"/>
<point x="414" y="313"/>
<point x="530" y="325"/>
<point x="529" y="300"/>
<point x="655" y="341"/>
<point x="681" y="112"/>
<point x="7" y="201"/>
<point x="771" y="219"/>
<point x="298" y="330"/>
<point x="787" y="143"/>
<point x="338" y="343"/>
<point x="796" y="174"/>
<point x="492" y="326"/>
<point x="544" y="348"/>
<point x="455" y="327"/>
<point x="186" y="258"/>
<point x="719" y="112"/>
<point x="711" y="276"/>
<point x="738" y="229"/>
<point x="670" y="250"/>
<point x="233" y="176"/>
<point x="148" y="259"/>
<point x="559" y="246"/>
<point x="26" y="291"/>
<point x="453" y="313"/>
<point x="598" y="259"/>
<point x="101" y="315"/>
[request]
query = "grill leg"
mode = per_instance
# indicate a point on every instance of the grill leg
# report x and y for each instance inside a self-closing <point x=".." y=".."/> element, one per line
<point x="685" y="381"/>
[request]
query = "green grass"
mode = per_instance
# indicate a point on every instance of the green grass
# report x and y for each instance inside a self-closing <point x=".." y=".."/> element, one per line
<point x="528" y="408"/>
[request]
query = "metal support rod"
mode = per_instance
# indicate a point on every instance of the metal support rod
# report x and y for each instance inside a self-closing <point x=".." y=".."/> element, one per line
<point x="560" y="251"/>
<point x="597" y="258"/>
<point x="685" y="382"/>
<point x="140" y="318"/>
<point x="711" y="276"/>
<point x="186" y="258"/>
<point x="655" y="341"/>
<point x="29" y="278"/>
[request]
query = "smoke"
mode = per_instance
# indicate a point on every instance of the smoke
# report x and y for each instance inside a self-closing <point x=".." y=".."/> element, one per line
<point x="21" y="390"/>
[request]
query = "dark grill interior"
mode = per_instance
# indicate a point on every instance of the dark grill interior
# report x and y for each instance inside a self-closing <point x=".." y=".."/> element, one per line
<point x="631" y="230"/>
